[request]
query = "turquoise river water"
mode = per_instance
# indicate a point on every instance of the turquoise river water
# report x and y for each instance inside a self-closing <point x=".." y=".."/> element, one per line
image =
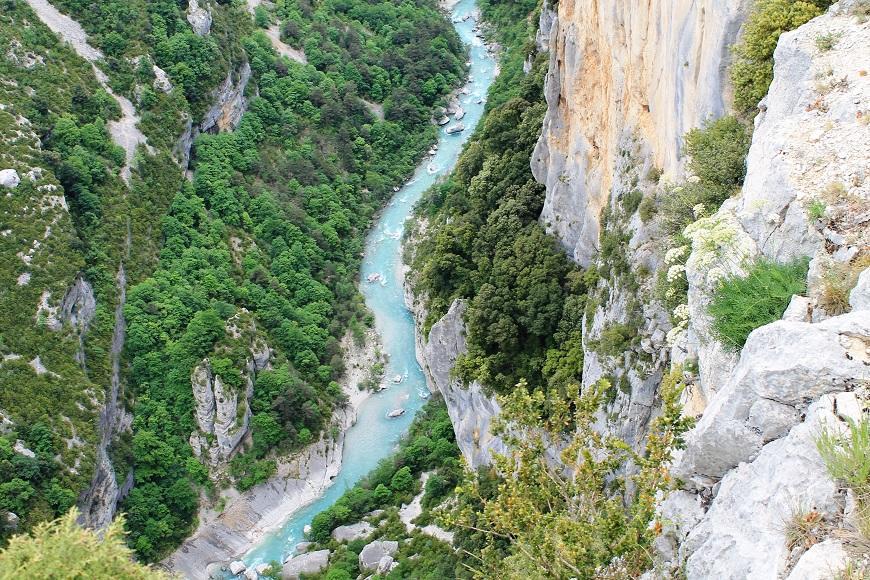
<point x="374" y="436"/>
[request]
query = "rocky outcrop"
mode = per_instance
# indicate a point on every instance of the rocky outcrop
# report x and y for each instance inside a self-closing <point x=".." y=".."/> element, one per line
<point x="352" y="532"/>
<point x="783" y="366"/>
<point x="223" y="536"/>
<point x="199" y="18"/>
<point x="223" y="411"/>
<point x="229" y="101"/>
<point x="378" y="556"/>
<point x="300" y="479"/>
<point x="810" y="145"/>
<point x="78" y="308"/>
<point x="99" y="503"/>
<point x="655" y="69"/>
<point x="9" y="178"/>
<point x="471" y="409"/>
<point x="751" y="465"/>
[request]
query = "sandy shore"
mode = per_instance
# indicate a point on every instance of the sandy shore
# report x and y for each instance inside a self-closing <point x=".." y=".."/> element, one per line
<point x="301" y="478"/>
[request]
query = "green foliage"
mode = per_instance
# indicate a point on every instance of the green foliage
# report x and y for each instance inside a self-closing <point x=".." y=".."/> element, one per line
<point x="538" y="523"/>
<point x="483" y="243"/>
<point x="742" y="304"/>
<point x="402" y="481"/>
<point x="647" y="208"/>
<point x="276" y="254"/>
<point x="430" y="445"/>
<point x="718" y="151"/>
<point x="631" y="201"/>
<point x="752" y="71"/>
<point x="614" y="340"/>
<point x="847" y="457"/>
<point x="62" y="549"/>
<point x="816" y="210"/>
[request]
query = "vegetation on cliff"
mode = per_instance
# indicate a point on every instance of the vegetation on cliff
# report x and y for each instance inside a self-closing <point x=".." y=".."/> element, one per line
<point x="272" y="223"/>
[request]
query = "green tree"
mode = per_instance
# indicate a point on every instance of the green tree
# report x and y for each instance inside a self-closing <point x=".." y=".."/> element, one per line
<point x="402" y="481"/>
<point x="62" y="549"/>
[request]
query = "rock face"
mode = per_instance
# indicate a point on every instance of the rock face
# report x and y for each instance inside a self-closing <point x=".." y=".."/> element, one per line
<point x="199" y="18"/>
<point x="229" y="101"/>
<point x="223" y="411"/>
<point x="656" y="68"/>
<point x="352" y="532"/>
<point x="310" y="563"/>
<point x="751" y="464"/>
<point x="471" y="409"/>
<point x="782" y="366"/>
<point x="78" y="308"/>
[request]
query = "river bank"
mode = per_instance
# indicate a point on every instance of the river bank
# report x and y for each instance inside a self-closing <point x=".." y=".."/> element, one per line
<point x="224" y="535"/>
<point x="271" y="519"/>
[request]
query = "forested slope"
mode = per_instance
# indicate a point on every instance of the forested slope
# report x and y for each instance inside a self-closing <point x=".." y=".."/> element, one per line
<point x="243" y="273"/>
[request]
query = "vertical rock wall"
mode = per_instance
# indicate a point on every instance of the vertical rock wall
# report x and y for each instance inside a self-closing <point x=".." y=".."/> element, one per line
<point x="653" y="68"/>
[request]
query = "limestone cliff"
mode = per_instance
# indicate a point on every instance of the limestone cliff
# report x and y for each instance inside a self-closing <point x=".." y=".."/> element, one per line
<point x="653" y="69"/>
<point x="471" y="409"/>
<point x="223" y="411"/>
<point x="751" y="464"/>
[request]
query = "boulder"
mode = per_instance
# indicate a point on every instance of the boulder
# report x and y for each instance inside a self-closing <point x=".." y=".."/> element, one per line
<point x="822" y="561"/>
<point x="352" y="532"/>
<point x="798" y="309"/>
<point x="370" y="557"/>
<point x="302" y="547"/>
<point x="743" y="534"/>
<point x="471" y="409"/>
<point x="9" y="178"/>
<point x="385" y="564"/>
<point x="161" y="80"/>
<point x="859" y="298"/>
<point x="310" y="563"/>
<point x="237" y="567"/>
<point x="788" y="364"/>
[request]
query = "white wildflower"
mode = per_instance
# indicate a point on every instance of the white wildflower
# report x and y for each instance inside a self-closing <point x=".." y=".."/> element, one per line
<point x="715" y="275"/>
<point x="674" y="336"/>
<point x="675" y="272"/>
<point x="675" y="254"/>
<point x="681" y="313"/>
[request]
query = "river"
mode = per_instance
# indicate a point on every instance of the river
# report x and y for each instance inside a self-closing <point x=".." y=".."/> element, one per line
<point x="374" y="436"/>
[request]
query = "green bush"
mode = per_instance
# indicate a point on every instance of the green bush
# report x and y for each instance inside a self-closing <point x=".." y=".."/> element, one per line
<point x="719" y="151"/>
<point x="752" y="71"/>
<point x="742" y="304"/>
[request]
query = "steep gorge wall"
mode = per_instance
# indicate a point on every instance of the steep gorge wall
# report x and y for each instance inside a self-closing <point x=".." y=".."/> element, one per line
<point x="654" y="69"/>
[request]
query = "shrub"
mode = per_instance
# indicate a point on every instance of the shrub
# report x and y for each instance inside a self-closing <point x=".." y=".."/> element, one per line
<point x="816" y="210"/>
<point x="752" y="71"/>
<point x="837" y="284"/>
<point x="742" y="304"/>
<point x="804" y="529"/>
<point x="826" y="42"/>
<point x="718" y="151"/>
<point x="614" y="340"/>
<point x="631" y="201"/>
<point x="647" y="208"/>
<point x="62" y="549"/>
